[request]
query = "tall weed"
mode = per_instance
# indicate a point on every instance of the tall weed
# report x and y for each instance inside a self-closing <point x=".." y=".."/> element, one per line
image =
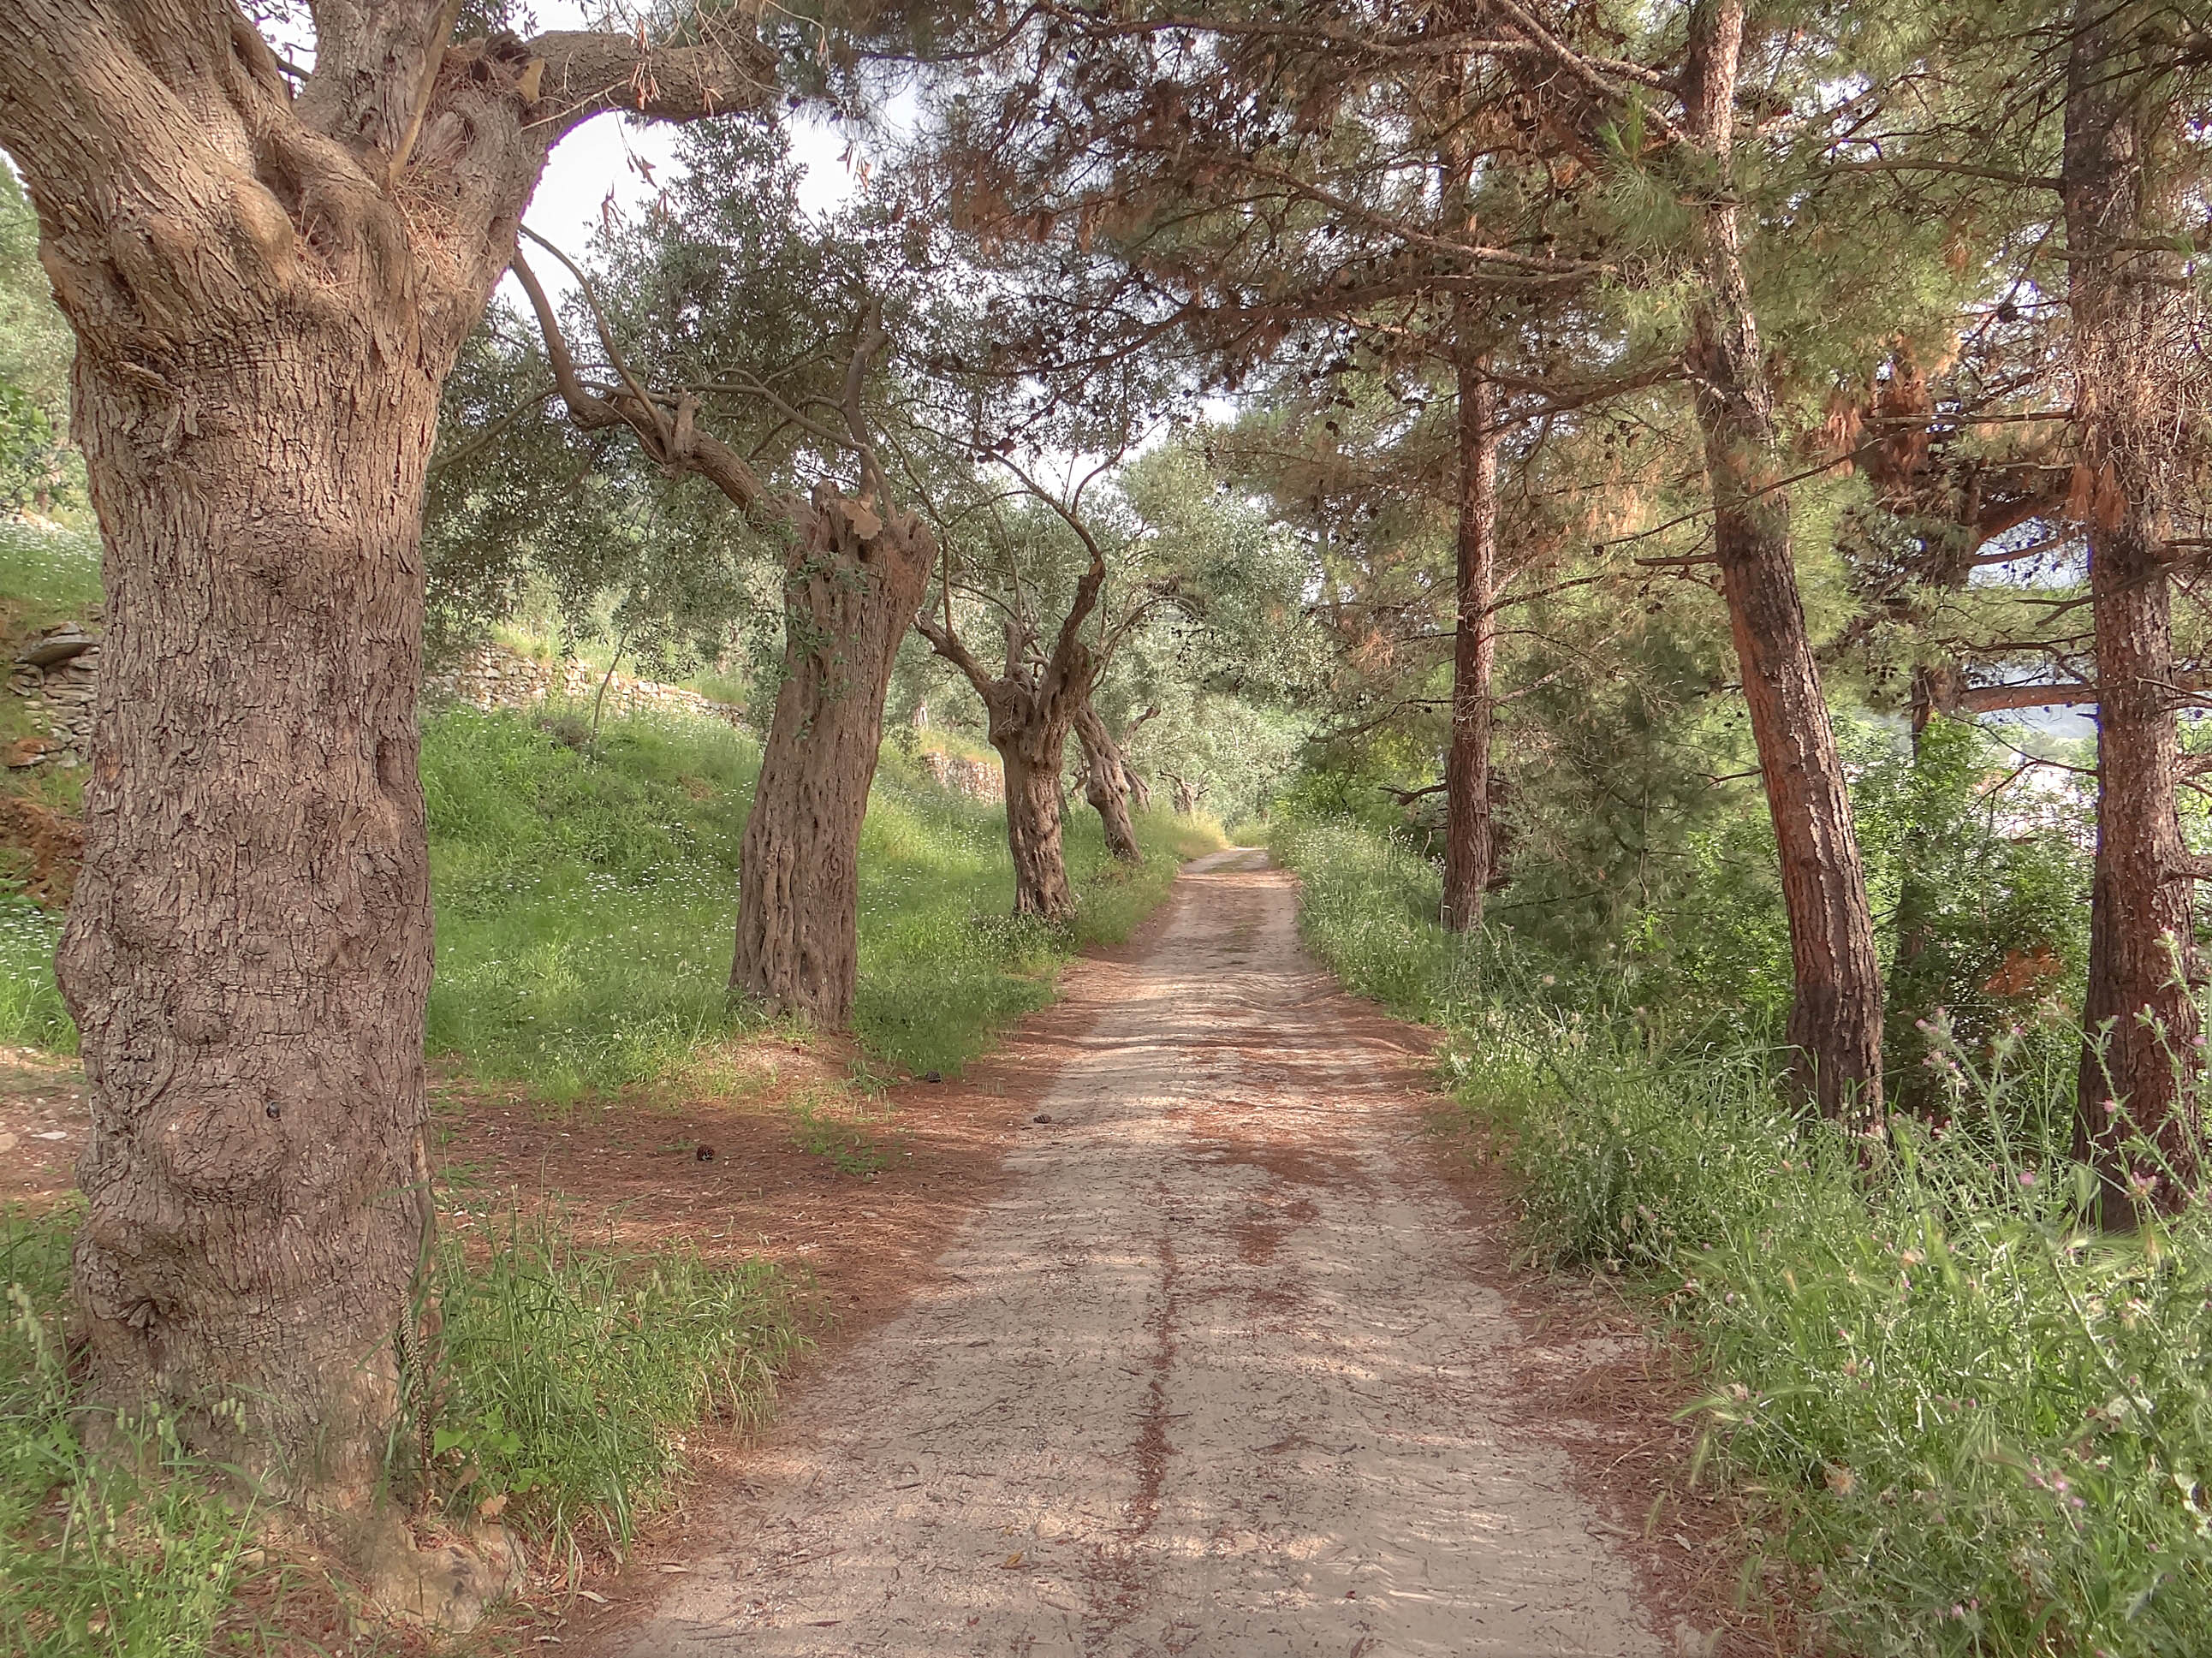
<point x="570" y="1378"/>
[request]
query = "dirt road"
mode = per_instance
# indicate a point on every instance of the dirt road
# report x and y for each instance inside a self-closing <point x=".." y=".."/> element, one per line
<point x="1213" y="1375"/>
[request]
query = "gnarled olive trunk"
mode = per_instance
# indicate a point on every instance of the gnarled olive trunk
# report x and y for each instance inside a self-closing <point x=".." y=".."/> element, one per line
<point x="1031" y="752"/>
<point x="848" y="600"/>
<point x="268" y="287"/>
<point x="2131" y="346"/>
<point x="248" y="954"/>
<point x="1468" y="842"/>
<point x="1835" y="1017"/>
<point x="1031" y="705"/>
<point x="1106" y="782"/>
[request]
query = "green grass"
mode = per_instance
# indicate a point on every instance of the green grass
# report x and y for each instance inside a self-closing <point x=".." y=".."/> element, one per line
<point x="1969" y="1424"/>
<point x="128" y="1555"/>
<point x="570" y="1382"/>
<point x="31" y="1010"/>
<point x="47" y="576"/>
<point x="569" y="1377"/>
<point x="587" y="903"/>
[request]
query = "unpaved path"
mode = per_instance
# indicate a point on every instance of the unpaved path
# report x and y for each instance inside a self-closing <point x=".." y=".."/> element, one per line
<point x="1213" y="1374"/>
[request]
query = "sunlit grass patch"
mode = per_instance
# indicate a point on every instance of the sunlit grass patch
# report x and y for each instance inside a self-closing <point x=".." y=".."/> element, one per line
<point x="47" y="575"/>
<point x="31" y="1010"/>
<point x="586" y="897"/>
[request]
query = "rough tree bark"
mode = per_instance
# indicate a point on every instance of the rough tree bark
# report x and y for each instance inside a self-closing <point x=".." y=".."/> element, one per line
<point x="1835" y="1017"/>
<point x="850" y="590"/>
<point x="2130" y="328"/>
<point x="856" y="570"/>
<point x="1106" y="781"/>
<point x="1186" y="793"/>
<point x="1032" y="706"/>
<point x="1468" y="842"/>
<point x="268" y="291"/>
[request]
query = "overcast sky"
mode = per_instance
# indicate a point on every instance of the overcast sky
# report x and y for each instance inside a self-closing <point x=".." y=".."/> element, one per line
<point x="599" y="159"/>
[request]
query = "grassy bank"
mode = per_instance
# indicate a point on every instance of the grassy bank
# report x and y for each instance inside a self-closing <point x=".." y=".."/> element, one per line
<point x="1973" y="1426"/>
<point x="587" y="902"/>
<point x="587" y="898"/>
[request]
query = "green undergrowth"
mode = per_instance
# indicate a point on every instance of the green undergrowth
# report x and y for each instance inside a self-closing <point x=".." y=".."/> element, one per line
<point x="127" y="1552"/>
<point x="571" y="1377"/>
<point x="47" y="575"/>
<point x="570" y="1385"/>
<point x="31" y="1010"/>
<point x="1968" y="1423"/>
<point x="586" y="899"/>
<point x="583" y="895"/>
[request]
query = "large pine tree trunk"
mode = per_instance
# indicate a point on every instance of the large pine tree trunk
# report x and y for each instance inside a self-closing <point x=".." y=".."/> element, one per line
<point x="1029" y="751"/>
<point x="2130" y="339"/>
<point x="248" y="954"/>
<point x="1467" y="840"/>
<point x="1835" y="1018"/>
<point x="848" y="600"/>
<point x="1106" y="784"/>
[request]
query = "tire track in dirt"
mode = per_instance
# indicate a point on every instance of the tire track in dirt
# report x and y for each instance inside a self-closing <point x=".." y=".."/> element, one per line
<point x="1213" y="1373"/>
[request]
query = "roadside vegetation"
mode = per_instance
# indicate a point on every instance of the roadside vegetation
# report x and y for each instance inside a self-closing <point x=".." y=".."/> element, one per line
<point x="584" y="890"/>
<point x="1969" y="1422"/>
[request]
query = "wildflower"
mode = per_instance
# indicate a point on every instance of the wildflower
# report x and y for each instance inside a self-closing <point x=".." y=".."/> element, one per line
<point x="2027" y="1178"/>
<point x="2142" y="1182"/>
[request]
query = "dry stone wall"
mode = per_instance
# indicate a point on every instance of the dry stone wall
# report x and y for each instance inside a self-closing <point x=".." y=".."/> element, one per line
<point x="53" y="675"/>
<point x="979" y="779"/>
<point x="493" y="676"/>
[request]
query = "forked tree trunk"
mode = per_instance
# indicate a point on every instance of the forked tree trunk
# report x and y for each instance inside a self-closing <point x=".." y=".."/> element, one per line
<point x="1834" y="1029"/>
<point x="1106" y="784"/>
<point x="248" y="954"/>
<point x="848" y="600"/>
<point x="263" y="329"/>
<point x="1467" y="840"/>
<point x="1032" y="706"/>
<point x="2131" y="350"/>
